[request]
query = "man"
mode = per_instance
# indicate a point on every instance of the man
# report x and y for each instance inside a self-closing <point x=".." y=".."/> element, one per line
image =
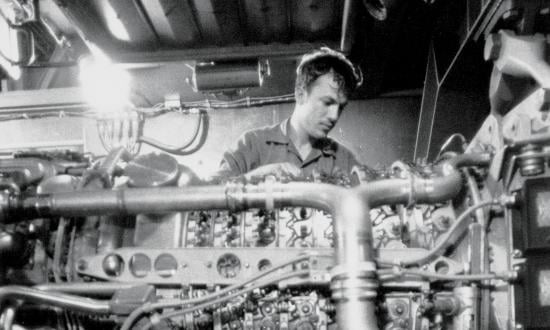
<point x="299" y="146"/>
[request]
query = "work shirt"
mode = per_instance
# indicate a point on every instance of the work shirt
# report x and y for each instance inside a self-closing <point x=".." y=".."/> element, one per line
<point x="269" y="145"/>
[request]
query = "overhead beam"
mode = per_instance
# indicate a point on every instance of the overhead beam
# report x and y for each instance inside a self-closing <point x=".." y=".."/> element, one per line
<point x="45" y="100"/>
<point x="219" y="53"/>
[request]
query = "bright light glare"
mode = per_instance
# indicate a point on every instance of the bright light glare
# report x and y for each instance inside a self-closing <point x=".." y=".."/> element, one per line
<point x="106" y="86"/>
<point x="114" y="23"/>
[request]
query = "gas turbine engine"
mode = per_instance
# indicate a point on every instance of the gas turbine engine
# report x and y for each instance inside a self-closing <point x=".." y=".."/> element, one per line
<point x="138" y="243"/>
<point x="272" y="255"/>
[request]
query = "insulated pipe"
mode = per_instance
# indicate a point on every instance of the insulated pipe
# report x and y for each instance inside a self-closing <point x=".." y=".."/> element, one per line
<point x="80" y="304"/>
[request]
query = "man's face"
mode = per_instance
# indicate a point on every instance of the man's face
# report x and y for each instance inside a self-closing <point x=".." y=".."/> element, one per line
<point x="320" y="108"/>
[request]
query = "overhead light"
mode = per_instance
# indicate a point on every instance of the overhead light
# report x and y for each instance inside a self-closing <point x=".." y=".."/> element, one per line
<point x="106" y="86"/>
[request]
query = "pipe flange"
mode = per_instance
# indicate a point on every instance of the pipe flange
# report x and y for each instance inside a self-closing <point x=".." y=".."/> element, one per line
<point x="234" y="196"/>
<point x="367" y="267"/>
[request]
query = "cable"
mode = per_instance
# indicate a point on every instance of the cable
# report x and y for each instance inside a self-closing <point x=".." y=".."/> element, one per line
<point x="228" y="297"/>
<point x="75" y="110"/>
<point x="398" y="272"/>
<point x="455" y="231"/>
<point x="176" y="149"/>
<point x="171" y="304"/>
<point x="450" y="139"/>
<point x="207" y="105"/>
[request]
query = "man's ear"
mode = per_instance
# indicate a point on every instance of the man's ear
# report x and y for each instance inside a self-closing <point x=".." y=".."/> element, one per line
<point x="300" y="96"/>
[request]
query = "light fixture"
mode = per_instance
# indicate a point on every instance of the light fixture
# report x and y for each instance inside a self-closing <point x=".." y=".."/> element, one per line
<point x="106" y="86"/>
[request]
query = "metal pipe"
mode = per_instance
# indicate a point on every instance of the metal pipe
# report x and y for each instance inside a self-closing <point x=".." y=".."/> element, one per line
<point x="347" y="31"/>
<point x="80" y="304"/>
<point x="110" y="233"/>
<point x="483" y="265"/>
<point x="7" y="318"/>
<point x="103" y="289"/>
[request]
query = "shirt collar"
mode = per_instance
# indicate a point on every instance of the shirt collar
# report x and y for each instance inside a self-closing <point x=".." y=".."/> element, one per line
<point x="279" y="134"/>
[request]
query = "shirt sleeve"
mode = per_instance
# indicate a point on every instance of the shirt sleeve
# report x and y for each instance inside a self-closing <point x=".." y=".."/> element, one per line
<point x="239" y="159"/>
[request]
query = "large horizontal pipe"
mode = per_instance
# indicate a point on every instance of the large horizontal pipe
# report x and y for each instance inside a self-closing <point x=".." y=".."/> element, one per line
<point x="80" y="304"/>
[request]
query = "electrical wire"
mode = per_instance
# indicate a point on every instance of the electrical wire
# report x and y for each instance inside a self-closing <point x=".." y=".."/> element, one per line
<point x="228" y="297"/>
<point x="120" y="131"/>
<point x="456" y="230"/>
<point x="130" y="320"/>
<point x="399" y="272"/>
<point x="448" y="142"/>
<point x="76" y="110"/>
<point x="208" y="105"/>
<point x="176" y="149"/>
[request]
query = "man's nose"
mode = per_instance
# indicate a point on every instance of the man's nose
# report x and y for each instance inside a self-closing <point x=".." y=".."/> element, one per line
<point x="333" y="112"/>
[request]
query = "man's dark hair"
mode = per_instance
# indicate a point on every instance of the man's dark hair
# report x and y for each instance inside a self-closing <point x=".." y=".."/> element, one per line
<point x="321" y="62"/>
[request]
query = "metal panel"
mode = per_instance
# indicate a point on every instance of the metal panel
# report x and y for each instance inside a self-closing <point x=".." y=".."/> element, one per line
<point x="55" y="99"/>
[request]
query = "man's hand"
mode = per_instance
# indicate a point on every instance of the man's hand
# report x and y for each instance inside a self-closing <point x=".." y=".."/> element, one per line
<point x="277" y="169"/>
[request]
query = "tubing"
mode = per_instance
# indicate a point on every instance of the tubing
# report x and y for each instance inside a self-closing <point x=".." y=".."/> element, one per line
<point x="104" y="289"/>
<point x="80" y="304"/>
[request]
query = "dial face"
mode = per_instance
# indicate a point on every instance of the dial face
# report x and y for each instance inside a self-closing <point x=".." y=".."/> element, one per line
<point x="228" y="265"/>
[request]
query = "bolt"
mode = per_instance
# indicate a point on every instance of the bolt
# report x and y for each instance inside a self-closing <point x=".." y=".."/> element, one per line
<point x="517" y="253"/>
<point x="305" y="309"/>
<point x="82" y="265"/>
<point x="399" y="309"/>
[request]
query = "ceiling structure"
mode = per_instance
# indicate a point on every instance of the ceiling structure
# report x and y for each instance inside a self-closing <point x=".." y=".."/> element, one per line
<point x="161" y="39"/>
